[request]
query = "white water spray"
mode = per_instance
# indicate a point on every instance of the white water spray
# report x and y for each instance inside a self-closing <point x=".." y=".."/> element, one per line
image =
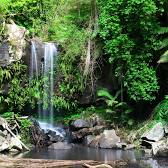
<point x="50" y="53"/>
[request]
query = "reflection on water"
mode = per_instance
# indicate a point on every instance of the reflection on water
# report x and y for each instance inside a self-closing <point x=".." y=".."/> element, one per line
<point x="84" y="153"/>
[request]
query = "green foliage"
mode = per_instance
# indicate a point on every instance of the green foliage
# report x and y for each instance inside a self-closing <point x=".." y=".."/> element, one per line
<point x="62" y="103"/>
<point x="127" y="44"/>
<point x="141" y="82"/>
<point x="4" y="4"/>
<point x="24" y="124"/>
<point x="116" y="111"/>
<point x="15" y="89"/>
<point x="8" y="115"/>
<point x="70" y="28"/>
<point x="162" y="31"/>
<point x="161" y="111"/>
<point x="25" y="131"/>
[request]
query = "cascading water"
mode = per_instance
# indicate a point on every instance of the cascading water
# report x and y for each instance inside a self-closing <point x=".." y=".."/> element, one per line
<point x="50" y="53"/>
<point x="34" y="71"/>
<point x="47" y="71"/>
<point x="33" y="61"/>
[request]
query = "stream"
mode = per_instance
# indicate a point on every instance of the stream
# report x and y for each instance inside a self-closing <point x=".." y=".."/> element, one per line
<point x="135" y="158"/>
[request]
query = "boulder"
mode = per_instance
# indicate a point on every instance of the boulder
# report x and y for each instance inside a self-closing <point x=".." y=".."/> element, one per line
<point x="53" y="137"/>
<point x="155" y="134"/>
<point x="79" y="124"/>
<point x="109" y="139"/>
<point x="60" y="145"/>
<point x="160" y="148"/>
<point x="79" y="135"/>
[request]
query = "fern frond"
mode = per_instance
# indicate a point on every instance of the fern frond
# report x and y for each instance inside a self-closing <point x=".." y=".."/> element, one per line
<point x="162" y="30"/>
<point x="164" y="58"/>
<point x="104" y="93"/>
<point x="163" y="44"/>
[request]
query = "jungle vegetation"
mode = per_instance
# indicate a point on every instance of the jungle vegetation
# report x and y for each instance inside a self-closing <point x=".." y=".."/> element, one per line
<point x="111" y="50"/>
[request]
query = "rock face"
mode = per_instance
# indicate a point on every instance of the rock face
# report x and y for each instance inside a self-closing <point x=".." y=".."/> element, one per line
<point x="44" y="138"/>
<point x="38" y="47"/>
<point x="14" y="47"/>
<point x="4" y="54"/>
<point x="14" y="44"/>
<point x="155" y="134"/>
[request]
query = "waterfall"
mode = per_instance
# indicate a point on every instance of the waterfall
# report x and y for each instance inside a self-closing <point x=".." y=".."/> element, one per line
<point x="50" y="53"/>
<point x="48" y="58"/>
<point x="33" y="71"/>
<point x="33" y="61"/>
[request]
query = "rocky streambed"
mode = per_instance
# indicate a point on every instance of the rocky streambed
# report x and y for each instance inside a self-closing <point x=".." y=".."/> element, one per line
<point x="85" y="139"/>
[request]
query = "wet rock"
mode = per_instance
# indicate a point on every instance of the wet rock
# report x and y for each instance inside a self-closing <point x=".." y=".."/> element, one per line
<point x="60" y="145"/>
<point x="39" y="49"/>
<point x="53" y="137"/>
<point x="38" y="137"/>
<point x="88" y="139"/>
<point x="46" y="137"/>
<point x="155" y="134"/>
<point x="79" y="124"/>
<point x="79" y="135"/>
<point x="109" y="139"/>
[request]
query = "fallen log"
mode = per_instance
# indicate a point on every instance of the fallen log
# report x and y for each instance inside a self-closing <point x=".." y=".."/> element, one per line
<point x="40" y="163"/>
<point x="97" y="166"/>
